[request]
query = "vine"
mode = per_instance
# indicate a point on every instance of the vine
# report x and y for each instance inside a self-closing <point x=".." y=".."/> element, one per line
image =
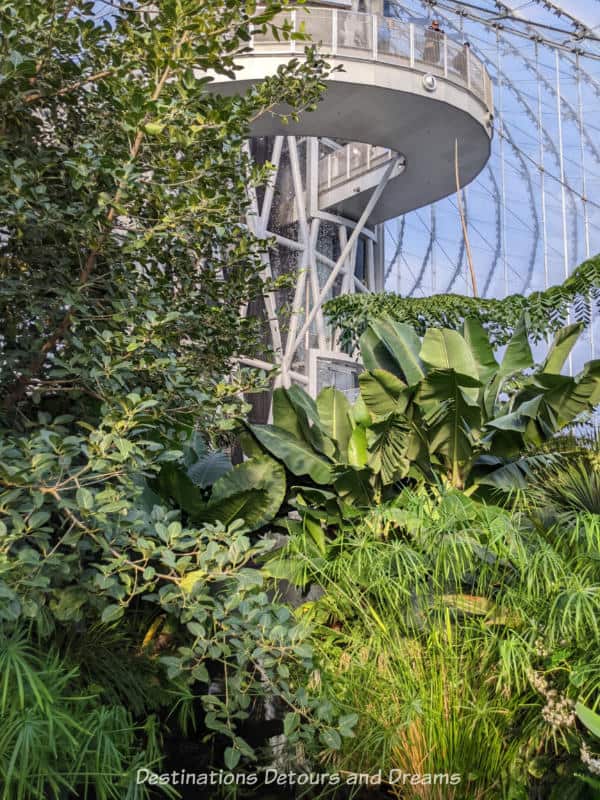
<point x="546" y="311"/>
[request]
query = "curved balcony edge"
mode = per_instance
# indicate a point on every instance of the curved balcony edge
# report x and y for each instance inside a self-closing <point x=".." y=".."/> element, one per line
<point x="395" y="101"/>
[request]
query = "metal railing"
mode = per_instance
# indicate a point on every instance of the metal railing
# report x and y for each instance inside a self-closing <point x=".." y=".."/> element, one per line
<point x="350" y="162"/>
<point x="350" y="34"/>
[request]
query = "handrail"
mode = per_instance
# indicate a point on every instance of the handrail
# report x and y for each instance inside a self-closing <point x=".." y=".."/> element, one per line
<point x="350" y="162"/>
<point x="356" y="35"/>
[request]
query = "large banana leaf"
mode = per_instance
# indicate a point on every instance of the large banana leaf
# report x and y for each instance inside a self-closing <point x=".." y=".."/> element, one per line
<point x="569" y="397"/>
<point x="481" y="349"/>
<point x="354" y="486"/>
<point x="374" y="354"/>
<point x="334" y="413"/>
<point x="453" y="418"/>
<point x="403" y="345"/>
<point x="296" y="454"/>
<point x="253" y="491"/>
<point x="446" y="349"/>
<point x="517" y="355"/>
<point x="519" y="419"/>
<point x="285" y="415"/>
<point x="174" y="484"/>
<point x="209" y="468"/>
<point x="357" y="448"/>
<point x="383" y="393"/>
<point x="563" y="343"/>
<point x="309" y="420"/>
<point x="388" y="453"/>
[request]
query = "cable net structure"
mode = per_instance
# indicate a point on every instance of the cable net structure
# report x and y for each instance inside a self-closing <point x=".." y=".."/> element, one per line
<point x="533" y="214"/>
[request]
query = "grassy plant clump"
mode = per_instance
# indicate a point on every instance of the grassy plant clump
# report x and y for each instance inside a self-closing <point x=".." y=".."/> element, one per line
<point x="461" y="635"/>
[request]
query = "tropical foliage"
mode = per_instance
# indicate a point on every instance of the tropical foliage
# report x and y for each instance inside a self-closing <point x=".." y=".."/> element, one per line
<point x="438" y="408"/>
<point x="124" y="263"/>
<point x="62" y="734"/>
<point x="461" y="635"/>
<point x="546" y="311"/>
<point x="473" y="416"/>
<point x="421" y="627"/>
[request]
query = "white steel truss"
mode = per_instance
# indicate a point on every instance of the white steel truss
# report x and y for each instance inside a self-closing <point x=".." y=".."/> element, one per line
<point x="324" y="253"/>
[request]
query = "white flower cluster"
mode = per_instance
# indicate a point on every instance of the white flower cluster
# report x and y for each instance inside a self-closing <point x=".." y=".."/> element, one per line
<point x="540" y="648"/>
<point x="591" y="762"/>
<point x="559" y="711"/>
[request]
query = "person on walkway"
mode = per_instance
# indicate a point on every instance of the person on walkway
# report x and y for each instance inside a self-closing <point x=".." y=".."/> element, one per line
<point x="433" y="37"/>
<point x="460" y="61"/>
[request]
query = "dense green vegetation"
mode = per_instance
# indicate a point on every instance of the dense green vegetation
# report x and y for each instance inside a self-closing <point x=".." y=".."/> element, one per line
<point x="546" y="311"/>
<point x="123" y="266"/>
<point x="409" y="583"/>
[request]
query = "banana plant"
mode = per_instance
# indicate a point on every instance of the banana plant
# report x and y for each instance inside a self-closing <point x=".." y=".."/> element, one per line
<point x="338" y="454"/>
<point x="451" y="403"/>
<point x="208" y="488"/>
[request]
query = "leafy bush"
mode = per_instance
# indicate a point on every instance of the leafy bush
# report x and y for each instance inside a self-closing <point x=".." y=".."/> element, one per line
<point x="124" y="262"/>
<point x="569" y="484"/>
<point x="441" y="408"/>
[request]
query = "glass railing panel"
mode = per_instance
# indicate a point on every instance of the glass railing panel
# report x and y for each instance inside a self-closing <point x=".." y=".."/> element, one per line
<point x="348" y="33"/>
<point x="355" y="31"/>
<point x="393" y="40"/>
<point x="429" y="48"/>
<point x="477" y="77"/>
<point x="457" y="61"/>
<point x="318" y="24"/>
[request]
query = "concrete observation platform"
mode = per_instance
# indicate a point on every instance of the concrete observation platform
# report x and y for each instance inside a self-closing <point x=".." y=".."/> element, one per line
<point x="404" y="90"/>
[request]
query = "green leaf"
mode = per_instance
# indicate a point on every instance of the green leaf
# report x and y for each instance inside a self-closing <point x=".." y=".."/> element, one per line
<point x="291" y="721"/>
<point x="331" y="739"/>
<point x="388" y="451"/>
<point x="589" y="718"/>
<point x="360" y="413"/>
<point x="569" y="397"/>
<point x="519" y="419"/>
<point x="196" y="629"/>
<point x="374" y="354"/>
<point x="209" y="468"/>
<point x="84" y="498"/>
<point x="154" y="128"/>
<point x="481" y="348"/>
<point x="508" y="477"/>
<point x="383" y="393"/>
<point x="357" y="448"/>
<point x="295" y="411"/>
<point x="285" y="415"/>
<point x="112" y="613"/>
<point x="354" y="487"/>
<point x="563" y="343"/>
<point x="297" y="456"/>
<point x="446" y="349"/>
<point x="173" y="483"/>
<point x="316" y="533"/>
<point x="452" y="417"/>
<point x="253" y="491"/>
<point x="191" y="579"/>
<point x="334" y="411"/>
<point x="38" y="518"/>
<point x="403" y="345"/>
<point x="517" y="355"/>
<point x="231" y="757"/>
